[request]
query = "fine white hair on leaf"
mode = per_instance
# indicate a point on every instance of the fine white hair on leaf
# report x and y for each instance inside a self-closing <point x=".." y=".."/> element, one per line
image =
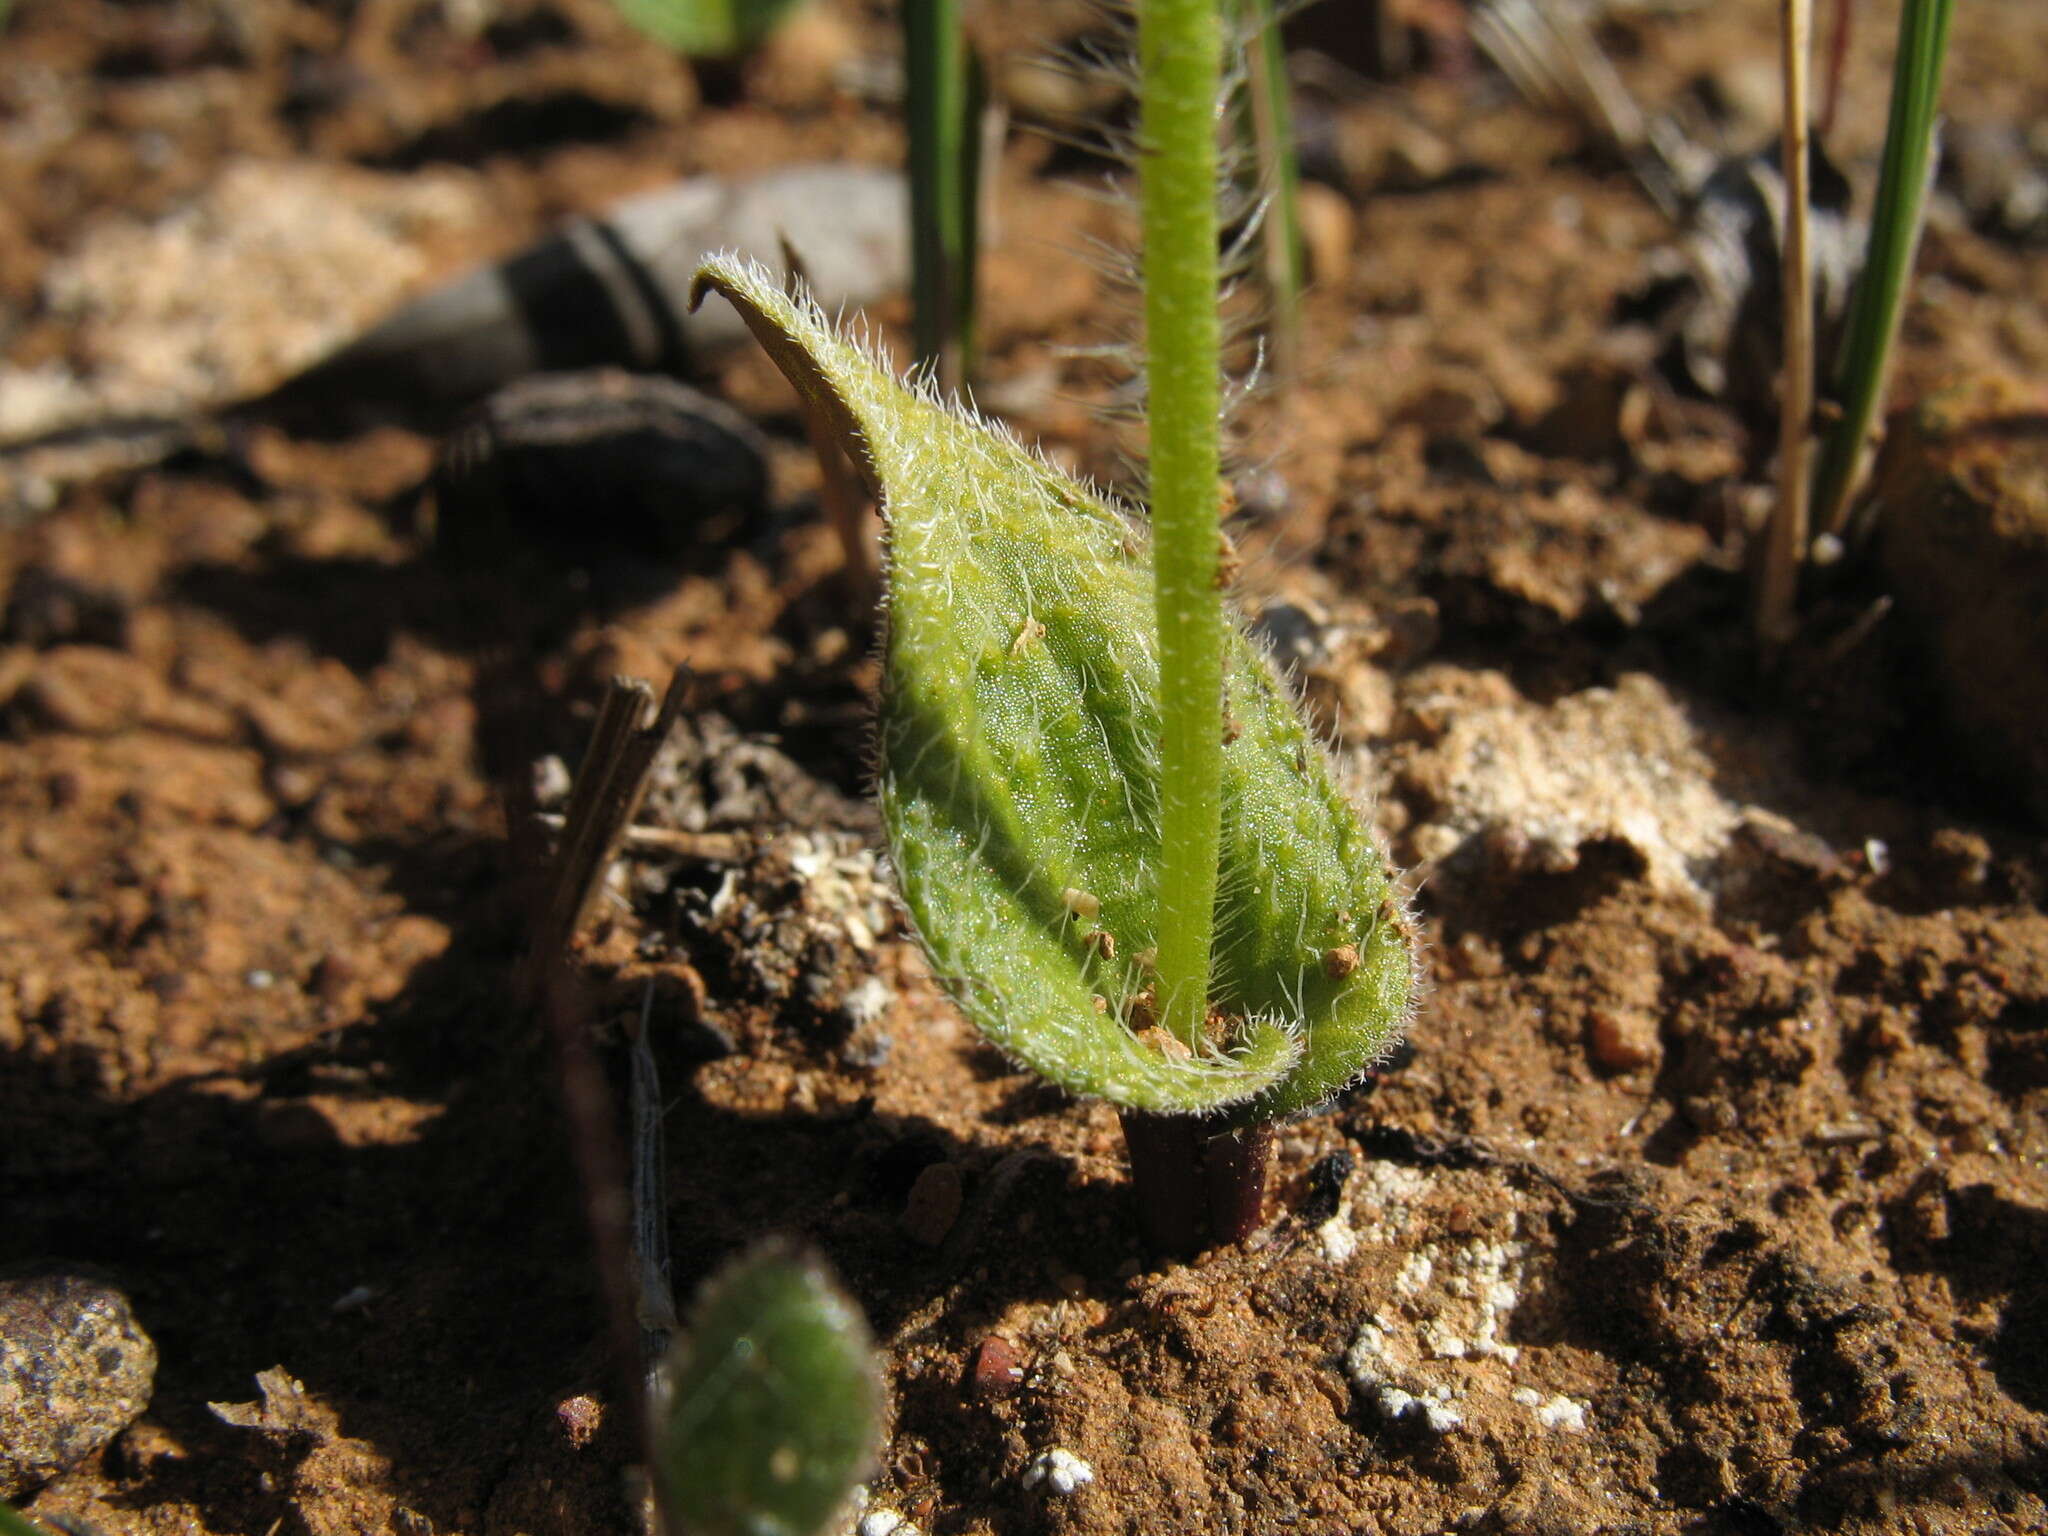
<point x="1104" y="60"/>
<point x="1011" y="774"/>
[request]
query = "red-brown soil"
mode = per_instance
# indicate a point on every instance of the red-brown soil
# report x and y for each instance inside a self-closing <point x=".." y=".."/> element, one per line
<point x="1711" y="1196"/>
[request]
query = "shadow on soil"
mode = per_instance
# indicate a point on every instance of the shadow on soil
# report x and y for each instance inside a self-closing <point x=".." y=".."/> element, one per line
<point x="439" y="1286"/>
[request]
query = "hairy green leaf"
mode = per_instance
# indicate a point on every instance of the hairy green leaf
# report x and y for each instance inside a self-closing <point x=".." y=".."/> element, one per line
<point x="1018" y="773"/>
<point x="774" y="1403"/>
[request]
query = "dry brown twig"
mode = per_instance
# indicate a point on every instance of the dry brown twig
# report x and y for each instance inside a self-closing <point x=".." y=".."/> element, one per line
<point x="607" y="792"/>
<point x="670" y="842"/>
<point x="622" y="1194"/>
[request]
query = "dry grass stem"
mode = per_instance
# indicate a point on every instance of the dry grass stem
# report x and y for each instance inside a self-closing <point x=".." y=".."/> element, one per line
<point x="607" y="793"/>
<point x="672" y="842"/>
<point x="1777" y="587"/>
<point x="655" y="1309"/>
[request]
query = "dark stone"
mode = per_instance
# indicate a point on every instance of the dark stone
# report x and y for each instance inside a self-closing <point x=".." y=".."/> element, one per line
<point x="75" y="1370"/>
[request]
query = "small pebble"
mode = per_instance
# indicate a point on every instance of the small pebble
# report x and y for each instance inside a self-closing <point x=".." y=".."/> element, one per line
<point x="1329" y="229"/>
<point x="551" y="782"/>
<point x="332" y="978"/>
<point x="934" y="1204"/>
<point x="995" y="1371"/>
<point x="1325" y="1191"/>
<point x="1061" y="1471"/>
<point x="868" y="1002"/>
<point x="1437" y="1418"/>
<point x="1622" y="1039"/>
<point x="75" y="1370"/>
<point x="1708" y="1115"/>
<point x="1338" y="1241"/>
<point x="884" y="1522"/>
<point x="581" y="1417"/>
<point x="354" y="1299"/>
<point x="668" y="464"/>
<point x="1562" y="1413"/>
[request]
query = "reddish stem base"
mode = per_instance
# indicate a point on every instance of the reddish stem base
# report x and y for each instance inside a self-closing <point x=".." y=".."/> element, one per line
<point x="1196" y="1185"/>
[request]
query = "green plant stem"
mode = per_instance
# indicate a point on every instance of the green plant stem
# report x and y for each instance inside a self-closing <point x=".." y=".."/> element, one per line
<point x="1180" y="54"/>
<point x="1895" y="223"/>
<point x="944" y="175"/>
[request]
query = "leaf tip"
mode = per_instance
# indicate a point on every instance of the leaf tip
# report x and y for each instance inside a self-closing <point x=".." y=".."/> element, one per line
<point x="722" y="272"/>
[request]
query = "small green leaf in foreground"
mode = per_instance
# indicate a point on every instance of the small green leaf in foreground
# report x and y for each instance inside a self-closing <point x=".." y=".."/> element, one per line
<point x="774" y="1404"/>
<point x="1018" y="773"/>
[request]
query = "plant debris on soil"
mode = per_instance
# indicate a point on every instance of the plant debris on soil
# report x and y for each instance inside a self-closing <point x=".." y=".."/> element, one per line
<point x="1709" y="1195"/>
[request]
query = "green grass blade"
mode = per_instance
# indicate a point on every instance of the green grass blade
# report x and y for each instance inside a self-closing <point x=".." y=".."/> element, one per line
<point x="1272" y="131"/>
<point x="1895" y="224"/>
<point x="943" y="84"/>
